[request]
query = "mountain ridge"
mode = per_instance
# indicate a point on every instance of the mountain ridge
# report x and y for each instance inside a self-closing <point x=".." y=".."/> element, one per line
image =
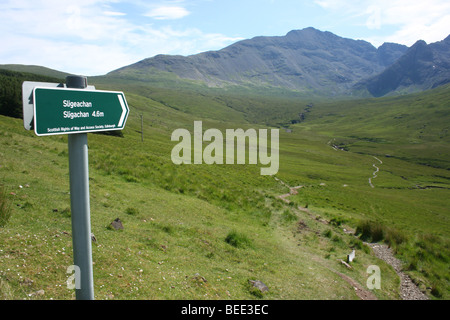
<point x="423" y="66"/>
<point x="306" y="60"/>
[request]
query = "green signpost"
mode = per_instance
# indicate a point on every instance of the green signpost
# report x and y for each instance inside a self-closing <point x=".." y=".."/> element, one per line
<point x="74" y="109"/>
<point x="69" y="110"/>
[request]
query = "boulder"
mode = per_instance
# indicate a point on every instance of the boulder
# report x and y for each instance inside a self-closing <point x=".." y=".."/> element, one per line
<point x="117" y="224"/>
<point x="259" y="285"/>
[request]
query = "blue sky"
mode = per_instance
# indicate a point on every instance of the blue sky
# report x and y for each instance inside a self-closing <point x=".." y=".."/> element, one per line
<point x="93" y="37"/>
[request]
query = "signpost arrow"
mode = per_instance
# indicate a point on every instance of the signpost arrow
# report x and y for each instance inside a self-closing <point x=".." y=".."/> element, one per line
<point x="70" y="110"/>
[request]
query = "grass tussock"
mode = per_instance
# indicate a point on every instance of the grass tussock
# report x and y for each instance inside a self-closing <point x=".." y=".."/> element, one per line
<point x="238" y="240"/>
<point x="287" y="216"/>
<point x="5" y="208"/>
<point x="374" y="231"/>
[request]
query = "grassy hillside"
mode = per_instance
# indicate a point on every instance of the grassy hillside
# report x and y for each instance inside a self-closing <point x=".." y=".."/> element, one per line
<point x="37" y="70"/>
<point x="414" y="127"/>
<point x="404" y="144"/>
<point x="204" y="231"/>
<point x="265" y="106"/>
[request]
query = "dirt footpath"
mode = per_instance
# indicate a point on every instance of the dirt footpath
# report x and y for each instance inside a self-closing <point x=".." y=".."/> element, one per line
<point x="408" y="290"/>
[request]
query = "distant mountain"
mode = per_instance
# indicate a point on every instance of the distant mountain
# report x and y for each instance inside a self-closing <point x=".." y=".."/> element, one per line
<point x="307" y="60"/>
<point x="422" y="67"/>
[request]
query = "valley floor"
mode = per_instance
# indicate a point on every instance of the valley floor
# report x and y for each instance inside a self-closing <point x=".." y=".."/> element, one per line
<point x="351" y="178"/>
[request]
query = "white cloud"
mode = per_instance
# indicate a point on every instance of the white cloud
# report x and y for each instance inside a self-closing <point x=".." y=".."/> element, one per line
<point x="114" y="13"/>
<point x="91" y="37"/>
<point x="333" y="4"/>
<point x="407" y="20"/>
<point x="426" y="20"/>
<point x="168" y="13"/>
<point x="374" y="19"/>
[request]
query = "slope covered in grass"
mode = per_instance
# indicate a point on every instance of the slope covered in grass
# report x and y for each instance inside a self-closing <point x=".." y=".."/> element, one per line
<point x="177" y="220"/>
<point x="204" y="231"/>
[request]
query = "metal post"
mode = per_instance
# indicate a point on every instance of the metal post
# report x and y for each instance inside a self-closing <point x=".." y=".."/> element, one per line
<point x="80" y="205"/>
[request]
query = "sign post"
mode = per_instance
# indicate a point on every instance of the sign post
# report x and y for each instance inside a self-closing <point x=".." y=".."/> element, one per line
<point x="80" y="204"/>
<point x="75" y="109"/>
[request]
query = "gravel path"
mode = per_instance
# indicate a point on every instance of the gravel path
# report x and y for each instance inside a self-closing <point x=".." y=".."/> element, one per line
<point x="375" y="174"/>
<point x="408" y="290"/>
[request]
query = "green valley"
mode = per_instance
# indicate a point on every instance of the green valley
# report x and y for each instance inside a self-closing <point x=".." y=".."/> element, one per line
<point x="205" y="231"/>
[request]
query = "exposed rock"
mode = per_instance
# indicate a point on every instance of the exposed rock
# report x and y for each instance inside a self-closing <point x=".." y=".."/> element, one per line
<point x="37" y="293"/>
<point x="117" y="224"/>
<point x="259" y="285"/>
<point x="199" y="278"/>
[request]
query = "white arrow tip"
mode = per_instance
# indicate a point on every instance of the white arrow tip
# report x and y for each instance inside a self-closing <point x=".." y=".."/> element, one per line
<point x="124" y="110"/>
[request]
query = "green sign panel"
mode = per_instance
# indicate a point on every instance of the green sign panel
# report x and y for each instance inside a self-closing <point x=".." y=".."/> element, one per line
<point x="63" y="111"/>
